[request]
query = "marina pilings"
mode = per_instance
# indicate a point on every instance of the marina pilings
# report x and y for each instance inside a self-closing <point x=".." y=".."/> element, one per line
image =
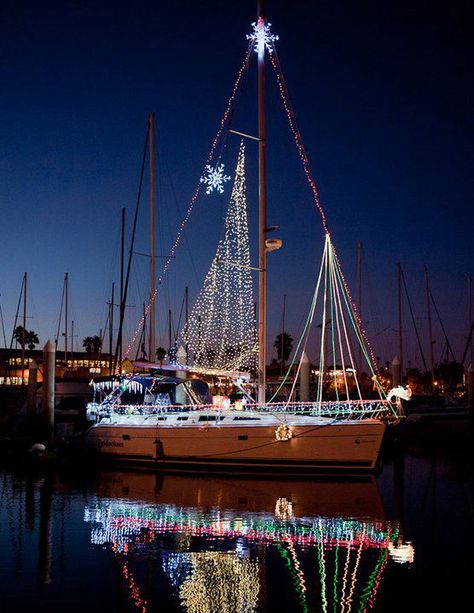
<point x="396" y="372"/>
<point x="32" y="385"/>
<point x="304" y="378"/>
<point x="49" y="375"/>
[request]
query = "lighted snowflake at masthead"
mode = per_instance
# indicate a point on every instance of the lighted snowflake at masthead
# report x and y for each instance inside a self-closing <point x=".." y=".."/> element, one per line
<point x="262" y="37"/>
<point x="215" y="178"/>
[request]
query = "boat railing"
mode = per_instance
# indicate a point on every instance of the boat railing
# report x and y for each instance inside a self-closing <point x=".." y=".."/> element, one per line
<point x="348" y="409"/>
<point x="328" y="408"/>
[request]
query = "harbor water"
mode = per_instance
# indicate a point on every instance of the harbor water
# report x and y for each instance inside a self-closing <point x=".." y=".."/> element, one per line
<point x="120" y="540"/>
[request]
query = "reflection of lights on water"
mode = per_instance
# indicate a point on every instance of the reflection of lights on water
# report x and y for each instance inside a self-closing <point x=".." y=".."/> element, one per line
<point x="220" y="581"/>
<point x="225" y="575"/>
<point x="120" y="522"/>
<point x="402" y="553"/>
<point x="283" y="509"/>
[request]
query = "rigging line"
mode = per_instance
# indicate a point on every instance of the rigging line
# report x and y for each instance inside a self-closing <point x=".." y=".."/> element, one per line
<point x="469" y="339"/>
<point x="197" y="191"/>
<point x="413" y="320"/>
<point x="347" y="339"/>
<point x="375" y="378"/>
<point x="356" y="319"/>
<point x="178" y="327"/>
<point x="296" y="134"/>
<point x="323" y="333"/>
<point x="348" y="344"/>
<point x="123" y="299"/>
<point x="104" y="330"/>
<point x="17" y="312"/>
<point x="304" y="158"/>
<point x="441" y="324"/>
<point x="360" y="333"/>
<point x="180" y="216"/>
<point x="3" y="327"/>
<point x="304" y="333"/>
<point x="339" y="336"/>
<point x="333" y="343"/>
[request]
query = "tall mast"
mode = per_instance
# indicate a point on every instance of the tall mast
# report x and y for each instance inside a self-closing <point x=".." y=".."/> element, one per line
<point x="151" y="124"/>
<point x="66" y="291"/>
<point x="282" y="361"/>
<point x="399" y="303"/>
<point x="262" y="199"/>
<point x="359" y="299"/>
<point x="3" y="327"/>
<point x="23" y="338"/>
<point x="111" y="329"/>
<point x="469" y="312"/>
<point x="122" y="258"/>
<point x="186" y="318"/>
<point x="430" y="327"/>
<point x="72" y="339"/>
<point x="169" y="329"/>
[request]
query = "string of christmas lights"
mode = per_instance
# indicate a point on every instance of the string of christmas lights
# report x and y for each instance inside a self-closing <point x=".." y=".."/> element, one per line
<point x="283" y="90"/>
<point x="221" y="328"/>
<point x="222" y="124"/>
<point x="297" y="135"/>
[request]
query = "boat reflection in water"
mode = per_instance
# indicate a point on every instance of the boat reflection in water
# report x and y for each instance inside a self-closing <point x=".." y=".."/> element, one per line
<point x="245" y="545"/>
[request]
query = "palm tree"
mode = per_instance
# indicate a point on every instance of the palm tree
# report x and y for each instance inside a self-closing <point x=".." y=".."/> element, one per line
<point x="30" y="337"/>
<point x="92" y="344"/>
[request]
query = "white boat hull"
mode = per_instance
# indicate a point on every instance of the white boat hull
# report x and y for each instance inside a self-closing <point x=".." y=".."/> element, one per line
<point x="346" y="445"/>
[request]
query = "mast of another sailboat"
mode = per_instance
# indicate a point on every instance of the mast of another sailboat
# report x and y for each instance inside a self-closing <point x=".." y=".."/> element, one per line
<point x="399" y="304"/>
<point x="262" y="198"/>
<point x="430" y="328"/>
<point x="23" y="336"/>
<point x="152" y="347"/>
<point x="66" y="308"/>
<point x="359" y="298"/>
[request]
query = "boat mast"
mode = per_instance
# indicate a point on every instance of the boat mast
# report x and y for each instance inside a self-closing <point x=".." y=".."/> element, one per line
<point x="3" y="327"/>
<point x="359" y="299"/>
<point x="282" y="344"/>
<point x="122" y="269"/>
<point x="262" y="198"/>
<point x="186" y="319"/>
<point x="111" y="329"/>
<point x="469" y="312"/>
<point x="152" y="347"/>
<point x="23" y="337"/>
<point x="66" y="284"/>
<point x="399" y="303"/>
<point x="430" y="327"/>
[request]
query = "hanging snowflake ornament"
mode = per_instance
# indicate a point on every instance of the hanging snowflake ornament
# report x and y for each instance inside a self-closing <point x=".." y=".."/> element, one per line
<point x="262" y="37"/>
<point x="214" y="178"/>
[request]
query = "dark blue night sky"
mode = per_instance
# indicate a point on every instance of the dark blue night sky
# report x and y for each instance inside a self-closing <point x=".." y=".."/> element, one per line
<point x="383" y="97"/>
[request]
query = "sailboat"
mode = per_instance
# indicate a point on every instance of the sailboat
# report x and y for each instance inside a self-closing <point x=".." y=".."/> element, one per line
<point x="171" y="422"/>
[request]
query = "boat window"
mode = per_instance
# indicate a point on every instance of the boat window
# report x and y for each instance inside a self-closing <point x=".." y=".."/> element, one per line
<point x="183" y="418"/>
<point x="208" y="417"/>
<point x="200" y="390"/>
<point x="130" y="396"/>
<point x="242" y="418"/>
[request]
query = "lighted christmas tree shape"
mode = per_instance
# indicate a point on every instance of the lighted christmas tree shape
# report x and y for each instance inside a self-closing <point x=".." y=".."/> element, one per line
<point x="221" y="331"/>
